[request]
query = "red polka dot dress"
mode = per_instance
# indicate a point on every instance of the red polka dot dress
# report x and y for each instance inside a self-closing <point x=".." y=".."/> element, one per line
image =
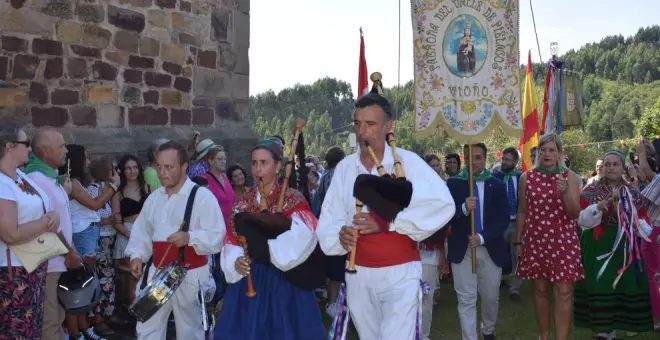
<point x="551" y="248"/>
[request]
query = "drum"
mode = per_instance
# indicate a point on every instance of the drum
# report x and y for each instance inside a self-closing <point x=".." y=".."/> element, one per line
<point x="158" y="291"/>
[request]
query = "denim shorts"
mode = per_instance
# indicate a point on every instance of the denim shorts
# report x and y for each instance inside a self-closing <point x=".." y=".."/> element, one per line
<point x="86" y="241"/>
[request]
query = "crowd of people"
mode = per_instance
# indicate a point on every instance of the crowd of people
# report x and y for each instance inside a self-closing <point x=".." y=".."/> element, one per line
<point x="589" y="247"/>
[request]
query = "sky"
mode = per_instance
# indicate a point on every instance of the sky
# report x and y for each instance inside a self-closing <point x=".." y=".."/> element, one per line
<point x="301" y="41"/>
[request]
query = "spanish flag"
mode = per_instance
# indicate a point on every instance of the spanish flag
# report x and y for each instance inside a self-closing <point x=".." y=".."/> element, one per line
<point x="530" y="118"/>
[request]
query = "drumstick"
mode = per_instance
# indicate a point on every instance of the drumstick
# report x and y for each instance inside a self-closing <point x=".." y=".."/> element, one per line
<point x="160" y="263"/>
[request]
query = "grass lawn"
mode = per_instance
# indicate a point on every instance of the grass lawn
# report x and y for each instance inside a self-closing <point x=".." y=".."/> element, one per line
<point x="515" y="321"/>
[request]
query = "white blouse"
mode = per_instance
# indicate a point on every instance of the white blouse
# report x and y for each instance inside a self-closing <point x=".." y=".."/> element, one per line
<point x="29" y="208"/>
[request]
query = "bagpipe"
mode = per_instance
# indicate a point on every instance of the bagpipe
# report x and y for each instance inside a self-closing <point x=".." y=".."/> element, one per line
<point x="385" y="195"/>
<point x="256" y="228"/>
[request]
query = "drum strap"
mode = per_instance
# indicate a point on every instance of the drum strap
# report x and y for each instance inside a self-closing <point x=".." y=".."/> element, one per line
<point x="184" y="227"/>
<point x="186" y="217"/>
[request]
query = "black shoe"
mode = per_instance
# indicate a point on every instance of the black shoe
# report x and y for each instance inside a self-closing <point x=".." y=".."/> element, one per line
<point x="515" y="297"/>
<point x="489" y="336"/>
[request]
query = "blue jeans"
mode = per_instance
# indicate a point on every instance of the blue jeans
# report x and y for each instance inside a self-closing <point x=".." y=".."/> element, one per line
<point x="86" y="241"/>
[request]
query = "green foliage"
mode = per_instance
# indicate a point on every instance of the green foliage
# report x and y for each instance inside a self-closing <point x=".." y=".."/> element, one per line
<point x="648" y="124"/>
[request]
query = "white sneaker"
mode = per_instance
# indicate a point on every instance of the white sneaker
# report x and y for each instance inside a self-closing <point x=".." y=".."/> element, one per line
<point x="91" y="335"/>
<point x="331" y="309"/>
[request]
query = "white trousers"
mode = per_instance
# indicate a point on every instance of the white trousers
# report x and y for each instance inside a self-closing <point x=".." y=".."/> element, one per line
<point x="486" y="282"/>
<point x="430" y="275"/>
<point x="186" y="307"/>
<point x="384" y="301"/>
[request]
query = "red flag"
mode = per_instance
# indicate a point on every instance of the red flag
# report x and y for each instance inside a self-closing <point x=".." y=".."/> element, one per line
<point x="546" y="100"/>
<point x="363" y="75"/>
<point x="530" y="137"/>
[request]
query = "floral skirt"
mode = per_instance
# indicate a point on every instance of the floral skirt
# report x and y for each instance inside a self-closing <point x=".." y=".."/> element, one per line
<point x="105" y="269"/>
<point x="22" y="302"/>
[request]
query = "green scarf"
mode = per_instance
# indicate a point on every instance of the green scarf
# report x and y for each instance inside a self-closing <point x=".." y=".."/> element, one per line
<point x="508" y="174"/>
<point x="556" y="170"/>
<point x="36" y="164"/>
<point x="482" y="176"/>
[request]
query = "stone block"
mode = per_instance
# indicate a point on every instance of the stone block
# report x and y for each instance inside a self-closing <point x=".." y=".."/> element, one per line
<point x="158" y="18"/>
<point x="224" y="108"/>
<point x="161" y="34"/>
<point x="38" y="93"/>
<point x="241" y="109"/>
<point x="206" y="59"/>
<point x="25" y="21"/>
<point x="126" y="19"/>
<point x="126" y="41"/>
<point x="83" y="116"/>
<point x="141" y="3"/>
<point x="157" y="79"/>
<point x="240" y="86"/>
<point x="242" y="64"/>
<point x="149" y="47"/>
<point x="226" y="57"/>
<point x="83" y="51"/>
<point x="115" y="57"/>
<point x="70" y="83"/>
<point x="110" y="116"/>
<point x="170" y="98"/>
<point x="95" y="36"/>
<point x="18" y="115"/>
<point x="104" y="71"/>
<point x="90" y="13"/>
<point x="14" y="44"/>
<point x="4" y="67"/>
<point x="25" y="66"/>
<point x="166" y="3"/>
<point x="64" y="97"/>
<point x="212" y="83"/>
<point x="189" y="39"/>
<point x="49" y="116"/>
<point x="77" y="68"/>
<point x="132" y="95"/>
<point x="150" y="97"/>
<point x="133" y="76"/>
<point x="187" y="71"/>
<point x="240" y="29"/>
<point x="46" y="46"/>
<point x="147" y="115"/>
<point x="58" y="8"/>
<point x="180" y="117"/>
<point x="140" y="62"/>
<point x="17" y="4"/>
<point x="202" y="116"/>
<point x="173" y="53"/>
<point x="185" y="6"/>
<point x="202" y="7"/>
<point x="220" y="24"/>
<point x="182" y="84"/>
<point x="184" y="22"/>
<point x="54" y="68"/>
<point x="203" y="102"/>
<point x="99" y="94"/>
<point x="172" y="68"/>
<point x="244" y="6"/>
<point x="69" y="32"/>
<point x="12" y="97"/>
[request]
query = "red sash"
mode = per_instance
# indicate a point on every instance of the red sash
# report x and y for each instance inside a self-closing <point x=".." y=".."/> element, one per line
<point x="189" y="255"/>
<point x="385" y="249"/>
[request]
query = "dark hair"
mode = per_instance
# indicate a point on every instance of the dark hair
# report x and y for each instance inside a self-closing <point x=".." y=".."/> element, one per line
<point x="8" y="134"/>
<point x="180" y="150"/>
<point x="511" y="151"/>
<point x="201" y="181"/>
<point x="481" y="146"/>
<point x="76" y="158"/>
<point x="431" y="157"/>
<point x="233" y="168"/>
<point x="454" y="156"/>
<point x="316" y="174"/>
<point x="334" y="155"/>
<point x="122" y="174"/>
<point x="375" y="99"/>
<point x="100" y="168"/>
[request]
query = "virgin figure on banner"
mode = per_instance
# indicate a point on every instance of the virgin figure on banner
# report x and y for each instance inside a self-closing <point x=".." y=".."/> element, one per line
<point x="465" y="60"/>
<point x="465" y="46"/>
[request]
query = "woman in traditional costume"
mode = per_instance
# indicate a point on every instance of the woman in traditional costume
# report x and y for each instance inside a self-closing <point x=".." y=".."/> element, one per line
<point x="280" y="310"/>
<point x="615" y="294"/>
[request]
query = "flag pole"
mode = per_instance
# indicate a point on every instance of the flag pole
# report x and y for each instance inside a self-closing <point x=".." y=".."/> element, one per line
<point x="471" y="187"/>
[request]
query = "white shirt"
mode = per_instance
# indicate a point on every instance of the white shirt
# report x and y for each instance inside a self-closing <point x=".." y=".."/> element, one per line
<point x="480" y="187"/>
<point x="81" y="216"/>
<point x="29" y="208"/>
<point x="431" y="206"/>
<point x="60" y="203"/>
<point x="162" y="216"/>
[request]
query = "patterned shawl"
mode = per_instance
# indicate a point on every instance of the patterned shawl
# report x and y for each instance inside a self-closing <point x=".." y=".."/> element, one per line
<point x="597" y="191"/>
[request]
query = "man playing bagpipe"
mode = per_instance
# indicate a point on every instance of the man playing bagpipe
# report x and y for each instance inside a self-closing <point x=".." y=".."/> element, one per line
<point x="384" y="293"/>
<point x="271" y="259"/>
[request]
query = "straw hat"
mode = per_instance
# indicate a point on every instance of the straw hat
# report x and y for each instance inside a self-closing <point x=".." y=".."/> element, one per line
<point x="204" y="147"/>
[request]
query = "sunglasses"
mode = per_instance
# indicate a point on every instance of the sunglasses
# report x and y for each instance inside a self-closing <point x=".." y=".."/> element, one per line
<point x="24" y="142"/>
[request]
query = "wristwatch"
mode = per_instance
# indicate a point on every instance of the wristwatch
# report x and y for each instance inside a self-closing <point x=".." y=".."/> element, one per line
<point x="113" y="187"/>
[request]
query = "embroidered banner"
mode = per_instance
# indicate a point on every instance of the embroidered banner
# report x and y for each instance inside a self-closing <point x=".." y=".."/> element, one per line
<point x="467" y="68"/>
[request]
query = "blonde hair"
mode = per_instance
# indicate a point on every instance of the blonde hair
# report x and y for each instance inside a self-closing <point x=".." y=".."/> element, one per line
<point x="551" y="138"/>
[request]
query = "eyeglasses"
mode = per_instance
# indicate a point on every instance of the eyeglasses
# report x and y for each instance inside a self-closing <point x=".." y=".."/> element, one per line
<point x="24" y="142"/>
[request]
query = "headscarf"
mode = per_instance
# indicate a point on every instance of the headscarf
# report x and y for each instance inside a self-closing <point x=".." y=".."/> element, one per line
<point x="271" y="145"/>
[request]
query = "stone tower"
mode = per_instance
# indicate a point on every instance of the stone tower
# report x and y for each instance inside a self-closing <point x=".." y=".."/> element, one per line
<point x="115" y="74"/>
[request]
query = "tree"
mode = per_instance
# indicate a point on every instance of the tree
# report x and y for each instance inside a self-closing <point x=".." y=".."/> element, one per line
<point x="648" y="124"/>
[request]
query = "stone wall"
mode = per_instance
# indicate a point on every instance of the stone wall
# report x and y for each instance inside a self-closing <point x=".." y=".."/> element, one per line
<point x="115" y="74"/>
